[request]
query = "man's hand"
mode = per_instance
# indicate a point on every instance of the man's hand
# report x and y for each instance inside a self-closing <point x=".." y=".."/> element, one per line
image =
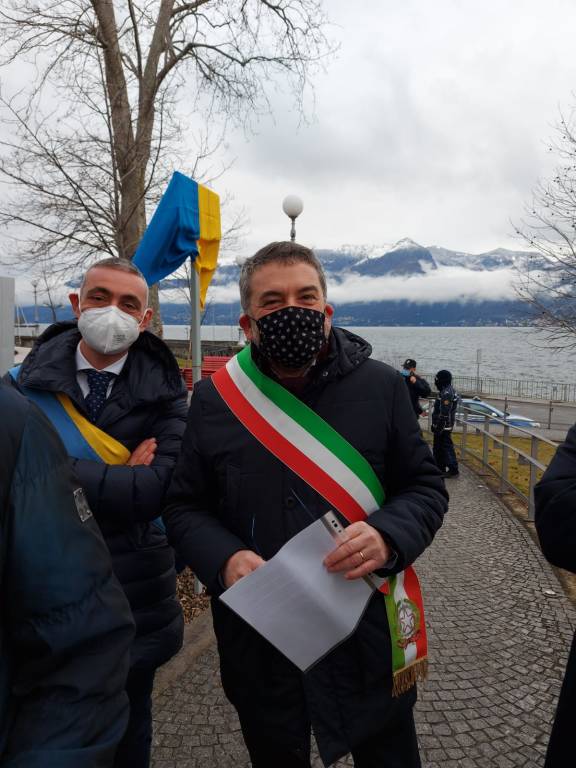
<point x="144" y="454"/>
<point x="361" y="551"/>
<point x="240" y="564"/>
<point x="412" y="379"/>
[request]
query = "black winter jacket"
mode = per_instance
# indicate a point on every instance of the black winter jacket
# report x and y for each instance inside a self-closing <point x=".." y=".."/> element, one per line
<point x="65" y="624"/>
<point x="419" y="389"/>
<point x="229" y="493"/>
<point x="555" y="497"/>
<point x="444" y="412"/>
<point x="148" y="400"/>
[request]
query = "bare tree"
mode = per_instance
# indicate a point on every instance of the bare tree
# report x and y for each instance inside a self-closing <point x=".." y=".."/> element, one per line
<point x="54" y="295"/>
<point x="547" y="278"/>
<point x="94" y="139"/>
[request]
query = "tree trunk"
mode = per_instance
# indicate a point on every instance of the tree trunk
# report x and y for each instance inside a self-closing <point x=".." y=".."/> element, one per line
<point x="154" y="302"/>
<point x="132" y="153"/>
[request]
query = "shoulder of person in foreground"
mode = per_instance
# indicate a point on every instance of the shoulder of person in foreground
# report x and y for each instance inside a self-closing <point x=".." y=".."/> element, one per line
<point x="416" y="497"/>
<point x="555" y="498"/>
<point x="67" y="625"/>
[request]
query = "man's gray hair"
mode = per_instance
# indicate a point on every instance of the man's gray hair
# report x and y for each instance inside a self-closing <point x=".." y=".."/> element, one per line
<point x="284" y="252"/>
<point x="123" y="265"/>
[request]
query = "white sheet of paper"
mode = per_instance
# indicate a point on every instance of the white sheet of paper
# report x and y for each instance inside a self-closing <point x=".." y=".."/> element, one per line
<point x="295" y="603"/>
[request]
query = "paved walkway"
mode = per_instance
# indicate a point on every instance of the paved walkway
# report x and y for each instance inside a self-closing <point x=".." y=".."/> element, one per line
<point x="499" y="630"/>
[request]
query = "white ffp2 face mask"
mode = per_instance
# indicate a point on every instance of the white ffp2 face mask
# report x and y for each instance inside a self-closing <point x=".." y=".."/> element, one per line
<point x="108" y="330"/>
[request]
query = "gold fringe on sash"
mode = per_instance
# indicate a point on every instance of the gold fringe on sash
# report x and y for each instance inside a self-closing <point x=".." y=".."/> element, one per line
<point x="405" y="678"/>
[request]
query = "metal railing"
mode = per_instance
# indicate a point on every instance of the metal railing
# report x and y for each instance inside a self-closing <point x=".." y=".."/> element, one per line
<point x="503" y="471"/>
<point x="521" y="389"/>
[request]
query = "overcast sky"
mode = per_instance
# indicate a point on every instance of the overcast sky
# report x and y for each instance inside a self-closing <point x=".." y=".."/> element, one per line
<point x="432" y="123"/>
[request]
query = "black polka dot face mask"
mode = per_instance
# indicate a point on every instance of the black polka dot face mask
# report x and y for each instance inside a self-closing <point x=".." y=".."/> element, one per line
<point x="291" y="336"/>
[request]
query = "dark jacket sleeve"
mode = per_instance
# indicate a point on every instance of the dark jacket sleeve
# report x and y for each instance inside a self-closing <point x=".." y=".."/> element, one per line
<point x="422" y="387"/>
<point x="190" y="515"/>
<point x="68" y="623"/>
<point x="416" y="498"/>
<point x="122" y="495"/>
<point x="555" y="497"/>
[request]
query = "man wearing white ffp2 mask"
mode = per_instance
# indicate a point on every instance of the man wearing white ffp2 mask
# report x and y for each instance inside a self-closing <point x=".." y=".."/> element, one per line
<point x="108" y="330"/>
<point x="110" y="371"/>
<point x="112" y="310"/>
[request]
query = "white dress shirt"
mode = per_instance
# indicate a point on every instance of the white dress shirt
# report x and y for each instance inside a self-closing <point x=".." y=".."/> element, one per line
<point x="82" y="365"/>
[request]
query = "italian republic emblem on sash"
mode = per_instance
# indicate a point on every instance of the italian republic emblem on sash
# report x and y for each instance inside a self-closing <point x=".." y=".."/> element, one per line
<point x="408" y="617"/>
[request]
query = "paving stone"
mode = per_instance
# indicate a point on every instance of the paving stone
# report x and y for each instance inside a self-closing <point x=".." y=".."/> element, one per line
<point x="498" y="648"/>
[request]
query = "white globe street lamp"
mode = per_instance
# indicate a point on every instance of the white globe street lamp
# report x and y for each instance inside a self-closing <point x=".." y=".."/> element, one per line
<point x="292" y="207"/>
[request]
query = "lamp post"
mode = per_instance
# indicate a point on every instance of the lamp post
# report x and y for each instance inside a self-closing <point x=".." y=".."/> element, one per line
<point x="292" y="207"/>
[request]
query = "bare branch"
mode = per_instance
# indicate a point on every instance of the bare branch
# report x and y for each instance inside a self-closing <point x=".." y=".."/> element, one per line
<point x="547" y="280"/>
<point x="82" y="174"/>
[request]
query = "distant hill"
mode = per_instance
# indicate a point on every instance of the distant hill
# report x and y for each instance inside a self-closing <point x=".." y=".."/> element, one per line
<point x="417" y="273"/>
<point x="402" y="284"/>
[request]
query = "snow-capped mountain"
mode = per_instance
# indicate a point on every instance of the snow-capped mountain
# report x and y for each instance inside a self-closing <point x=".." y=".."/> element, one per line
<point x="404" y="283"/>
<point x="496" y="259"/>
<point x="403" y="259"/>
<point x="401" y="284"/>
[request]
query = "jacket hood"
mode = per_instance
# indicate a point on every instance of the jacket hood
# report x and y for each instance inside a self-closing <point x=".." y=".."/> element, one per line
<point x="151" y="370"/>
<point x="346" y="351"/>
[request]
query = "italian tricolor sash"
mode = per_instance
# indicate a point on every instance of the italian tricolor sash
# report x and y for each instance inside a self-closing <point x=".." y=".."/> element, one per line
<point x="311" y="448"/>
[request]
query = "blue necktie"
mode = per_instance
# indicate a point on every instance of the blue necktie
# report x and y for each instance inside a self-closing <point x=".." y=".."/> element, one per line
<point x="98" y="382"/>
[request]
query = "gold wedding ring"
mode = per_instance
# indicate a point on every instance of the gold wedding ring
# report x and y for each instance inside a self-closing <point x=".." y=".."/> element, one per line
<point x="362" y="556"/>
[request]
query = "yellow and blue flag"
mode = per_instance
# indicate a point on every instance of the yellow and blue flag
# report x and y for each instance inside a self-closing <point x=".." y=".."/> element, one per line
<point x="186" y="224"/>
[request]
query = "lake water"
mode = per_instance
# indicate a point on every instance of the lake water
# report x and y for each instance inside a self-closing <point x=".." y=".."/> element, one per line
<point x="506" y="353"/>
<point x="514" y="353"/>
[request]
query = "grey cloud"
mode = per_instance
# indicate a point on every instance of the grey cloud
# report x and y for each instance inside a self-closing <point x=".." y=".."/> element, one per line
<point x="443" y="284"/>
<point x="432" y="123"/>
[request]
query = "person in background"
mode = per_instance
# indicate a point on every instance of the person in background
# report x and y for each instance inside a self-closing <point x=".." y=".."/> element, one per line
<point x="65" y="624"/>
<point x="555" y="518"/>
<point x="417" y="386"/>
<point x="234" y="501"/>
<point x="443" y="418"/>
<point x="116" y="396"/>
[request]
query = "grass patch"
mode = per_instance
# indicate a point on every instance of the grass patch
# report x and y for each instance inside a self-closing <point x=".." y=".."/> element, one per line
<point x="518" y="467"/>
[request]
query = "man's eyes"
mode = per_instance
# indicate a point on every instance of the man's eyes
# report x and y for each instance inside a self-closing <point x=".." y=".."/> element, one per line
<point x="128" y="306"/>
<point x="304" y="297"/>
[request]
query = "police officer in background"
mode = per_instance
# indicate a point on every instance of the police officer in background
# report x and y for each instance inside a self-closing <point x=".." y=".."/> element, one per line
<point x="443" y="418"/>
<point x="417" y="386"/>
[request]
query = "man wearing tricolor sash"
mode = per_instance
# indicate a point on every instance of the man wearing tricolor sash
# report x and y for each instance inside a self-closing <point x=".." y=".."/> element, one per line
<point x="115" y="394"/>
<point x="300" y="422"/>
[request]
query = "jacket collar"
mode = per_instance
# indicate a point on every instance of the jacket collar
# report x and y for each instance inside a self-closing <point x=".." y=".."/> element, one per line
<point x="344" y="353"/>
<point x="149" y="375"/>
